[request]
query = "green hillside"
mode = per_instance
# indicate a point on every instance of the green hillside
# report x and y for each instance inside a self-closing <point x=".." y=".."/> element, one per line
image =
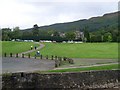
<point x="95" y="23"/>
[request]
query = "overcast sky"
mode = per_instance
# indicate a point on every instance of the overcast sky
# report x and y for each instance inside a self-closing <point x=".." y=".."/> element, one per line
<point x="26" y="13"/>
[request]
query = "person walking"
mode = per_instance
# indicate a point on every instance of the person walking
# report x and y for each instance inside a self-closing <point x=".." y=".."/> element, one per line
<point x="35" y="47"/>
<point x="31" y="47"/>
<point x="38" y="53"/>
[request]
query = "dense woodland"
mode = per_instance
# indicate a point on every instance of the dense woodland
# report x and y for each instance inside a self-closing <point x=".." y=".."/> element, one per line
<point x="96" y="29"/>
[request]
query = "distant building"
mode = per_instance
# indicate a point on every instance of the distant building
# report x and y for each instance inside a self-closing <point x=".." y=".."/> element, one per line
<point x="62" y="34"/>
<point x="58" y="34"/>
<point x="79" y="35"/>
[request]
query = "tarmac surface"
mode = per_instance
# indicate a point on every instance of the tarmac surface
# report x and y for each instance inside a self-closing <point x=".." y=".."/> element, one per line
<point x="25" y="64"/>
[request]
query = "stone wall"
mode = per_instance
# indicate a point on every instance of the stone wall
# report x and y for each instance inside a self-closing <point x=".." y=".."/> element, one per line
<point x="84" y="80"/>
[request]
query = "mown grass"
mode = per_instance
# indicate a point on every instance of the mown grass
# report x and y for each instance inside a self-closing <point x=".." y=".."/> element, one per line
<point x="104" y="67"/>
<point x="16" y="47"/>
<point x="84" y="50"/>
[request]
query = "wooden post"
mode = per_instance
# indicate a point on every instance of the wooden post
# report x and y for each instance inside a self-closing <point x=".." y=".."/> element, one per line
<point x="5" y="55"/>
<point x="52" y="57"/>
<point x="28" y="55"/>
<point x="35" y="56"/>
<point x="72" y="62"/>
<point x="22" y="74"/>
<point x="64" y="58"/>
<point x="69" y="60"/>
<point x="55" y="57"/>
<point x="47" y="57"/>
<point x="40" y="56"/>
<point x="60" y="59"/>
<point x="16" y="55"/>
<point x="10" y="54"/>
<point x="56" y="63"/>
<point x="22" y="55"/>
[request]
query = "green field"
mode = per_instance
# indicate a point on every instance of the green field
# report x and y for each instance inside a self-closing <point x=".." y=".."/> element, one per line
<point x="104" y="67"/>
<point x="83" y="50"/>
<point x="16" y="47"/>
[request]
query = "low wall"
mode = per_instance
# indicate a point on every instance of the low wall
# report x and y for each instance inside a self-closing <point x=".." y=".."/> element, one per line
<point x="84" y="80"/>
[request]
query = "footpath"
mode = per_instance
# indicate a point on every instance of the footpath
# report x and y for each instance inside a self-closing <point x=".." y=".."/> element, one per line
<point x="26" y="52"/>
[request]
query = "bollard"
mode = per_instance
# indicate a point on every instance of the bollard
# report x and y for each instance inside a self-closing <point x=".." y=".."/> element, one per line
<point x="10" y="54"/>
<point x="56" y="63"/>
<point x="59" y="63"/>
<point x="55" y="57"/>
<point x="16" y="55"/>
<point x="47" y="57"/>
<point x="72" y="62"/>
<point x="22" y="55"/>
<point x="28" y="55"/>
<point x="40" y="56"/>
<point x="5" y="55"/>
<point x="22" y="74"/>
<point x="60" y="59"/>
<point x="69" y="60"/>
<point x="35" y="56"/>
<point x="64" y="58"/>
<point x="52" y="57"/>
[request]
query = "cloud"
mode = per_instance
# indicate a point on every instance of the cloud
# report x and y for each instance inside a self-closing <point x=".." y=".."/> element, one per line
<point x="26" y="13"/>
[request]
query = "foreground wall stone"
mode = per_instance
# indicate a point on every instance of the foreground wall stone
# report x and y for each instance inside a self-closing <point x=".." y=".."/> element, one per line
<point x="77" y="80"/>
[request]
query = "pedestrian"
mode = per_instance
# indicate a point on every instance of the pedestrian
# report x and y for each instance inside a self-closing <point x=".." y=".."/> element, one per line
<point x="38" y="53"/>
<point x="35" y="47"/>
<point x="31" y="47"/>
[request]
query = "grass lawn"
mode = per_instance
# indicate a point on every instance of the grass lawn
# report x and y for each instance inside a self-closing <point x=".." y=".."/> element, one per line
<point x="16" y="47"/>
<point x="104" y="67"/>
<point x="83" y="50"/>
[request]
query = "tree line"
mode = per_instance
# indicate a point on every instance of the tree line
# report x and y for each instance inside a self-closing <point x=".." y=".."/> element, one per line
<point x="103" y="35"/>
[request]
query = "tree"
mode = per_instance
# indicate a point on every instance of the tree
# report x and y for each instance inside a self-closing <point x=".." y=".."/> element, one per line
<point x="70" y="35"/>
<point x="107" y="37"/>
<point x="55" y="33"/>
<point x="26" y="35"/>
<point x="16" y="34"/>
<point x="114" y="35"/>
<point x="86" y="34"/>
<point x="35" y="30"/>
<point x="6" y="34"/>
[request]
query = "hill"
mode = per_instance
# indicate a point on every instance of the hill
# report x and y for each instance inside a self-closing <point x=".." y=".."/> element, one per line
<point x="93" y="24"/>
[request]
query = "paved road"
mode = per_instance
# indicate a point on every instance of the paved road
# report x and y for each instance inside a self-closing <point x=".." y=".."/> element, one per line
<point x="25" y="64"/>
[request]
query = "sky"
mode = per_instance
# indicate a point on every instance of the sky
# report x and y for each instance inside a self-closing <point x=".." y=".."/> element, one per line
<point x="26" y="13"/>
